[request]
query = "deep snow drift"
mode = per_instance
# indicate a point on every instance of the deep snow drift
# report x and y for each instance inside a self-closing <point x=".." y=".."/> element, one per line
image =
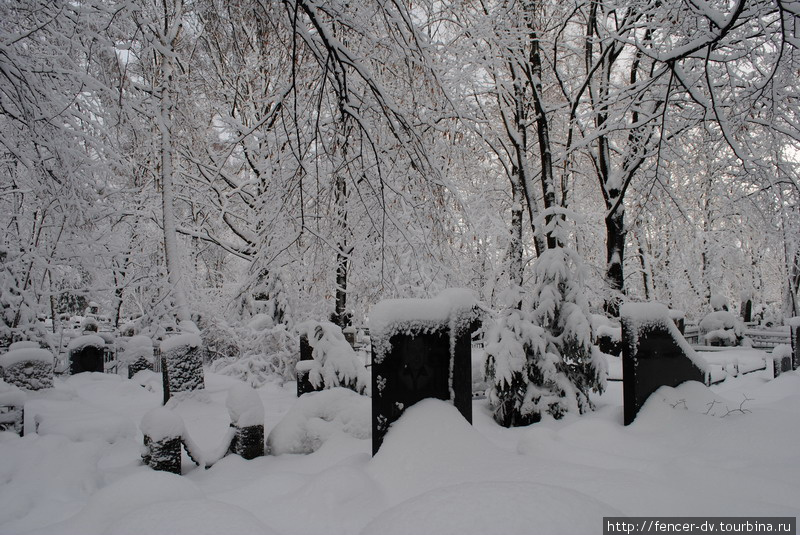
<point x="692" y="451"/>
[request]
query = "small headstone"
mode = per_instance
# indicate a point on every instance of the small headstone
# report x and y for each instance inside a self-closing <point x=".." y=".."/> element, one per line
<point x="86" y="354"/>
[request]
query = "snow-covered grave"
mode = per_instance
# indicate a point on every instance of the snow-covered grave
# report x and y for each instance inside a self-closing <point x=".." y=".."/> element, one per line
<point x="421" y="348"/>
<point x="327" y="360"/>
<point x="164" y="433"/>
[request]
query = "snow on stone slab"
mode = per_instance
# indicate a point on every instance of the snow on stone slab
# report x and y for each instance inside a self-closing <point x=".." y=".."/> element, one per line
<point x="137" y="346"/>
<point x="12" y="358"/>
<point x="245" y="406"/>
<point x="392" y="313"/>
<point x="161" y="423"/>
<point x="190" y="517"/>
<point x="643" y="316"/>
<point x="319" y="416"/>
<point x="79" y="342"/>
<point x="494" y="507"/>
<point x="186" y="339"/>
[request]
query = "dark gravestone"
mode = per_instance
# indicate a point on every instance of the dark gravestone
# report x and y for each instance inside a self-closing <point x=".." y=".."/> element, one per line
<point x="747" y="311"/>
<point x="419" y="366"/>
<point x="87" y="358"/>
<point x="795" y="330"/>
<point x="248" y="441"/>
<point x="306" y="354"/>
<point x="163" y="455"/>
<point x="651" y="358"/>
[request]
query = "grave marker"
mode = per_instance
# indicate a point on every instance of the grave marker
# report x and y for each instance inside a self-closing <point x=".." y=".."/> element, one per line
<point x="421" y="348"/>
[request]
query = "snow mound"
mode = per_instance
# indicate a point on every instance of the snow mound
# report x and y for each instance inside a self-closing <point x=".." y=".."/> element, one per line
<point x="244" y="406"/>
<point x="494" y="507"/>
<point x="11" y="394"/>
<point x="429" y="446"/>
<point x="190" y="517"/>
<point x="691" y="396"/>
<point x="136" y="347"/>
<point x="186" y="339"/>
<point x="317" y="417"/>
<point x="161" y="423"/>
<point x="127" y="495"/>
<point x="17" y="356"/>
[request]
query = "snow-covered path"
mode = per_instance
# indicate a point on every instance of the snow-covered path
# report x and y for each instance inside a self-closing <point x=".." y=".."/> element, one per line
<point x="689" y="453"/>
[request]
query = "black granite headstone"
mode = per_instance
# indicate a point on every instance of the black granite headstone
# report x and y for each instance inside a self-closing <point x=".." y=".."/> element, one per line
<point x="419" y="366"/>
<point x="795" y="346"/>
<point x="88" y="358"/>
<point x="651" y="358"/>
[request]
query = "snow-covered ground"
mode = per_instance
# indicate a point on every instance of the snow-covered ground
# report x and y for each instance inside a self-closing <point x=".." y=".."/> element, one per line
<point x="690" y="452"/>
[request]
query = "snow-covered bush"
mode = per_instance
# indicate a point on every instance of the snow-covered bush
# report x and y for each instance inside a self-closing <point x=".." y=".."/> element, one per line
<point x="319" y="416"/>
<point x="334" y="362"/>
<point x="264" y="294"/>
<point x="722" y="328"/>
<point x="183" y="357"/>
<point x="540" y="358"/>
<point x="607" y="334"/>
<point x="28" y="368"/>
<point x="267" y="353"/>
<point x="719" y="303"/>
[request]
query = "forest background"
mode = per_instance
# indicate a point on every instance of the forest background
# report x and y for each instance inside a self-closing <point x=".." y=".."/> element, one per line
<point x="306" y="159"/>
